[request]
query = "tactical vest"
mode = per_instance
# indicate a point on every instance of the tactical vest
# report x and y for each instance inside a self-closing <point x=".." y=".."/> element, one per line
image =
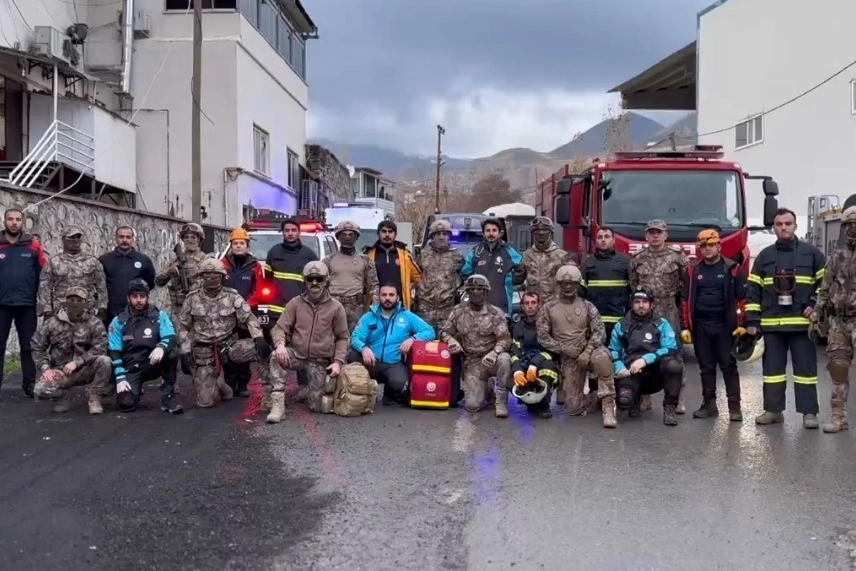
<point x="140" y="335"/>
<point x="639" y="337"/>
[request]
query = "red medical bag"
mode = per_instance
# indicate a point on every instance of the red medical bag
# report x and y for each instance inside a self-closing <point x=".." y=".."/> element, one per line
<point x="430" y="375"/>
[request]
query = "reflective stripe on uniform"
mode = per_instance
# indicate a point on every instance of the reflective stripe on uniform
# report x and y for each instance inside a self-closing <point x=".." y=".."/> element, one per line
<point x="608" y="283"/>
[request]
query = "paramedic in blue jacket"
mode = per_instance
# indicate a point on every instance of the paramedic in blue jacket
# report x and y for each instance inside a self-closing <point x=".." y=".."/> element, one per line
<point x="644" y="352"/>
<point x="500" y="263"/>
<point x="142" y="344"/>
<point x="382" y="339"/>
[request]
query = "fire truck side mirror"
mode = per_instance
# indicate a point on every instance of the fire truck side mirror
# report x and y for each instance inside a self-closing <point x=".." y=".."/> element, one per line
<point x="564" y="186"/>
<point x="771" y="205"/>
<point x="563" y="209"/>
<point x="770" y="187"/>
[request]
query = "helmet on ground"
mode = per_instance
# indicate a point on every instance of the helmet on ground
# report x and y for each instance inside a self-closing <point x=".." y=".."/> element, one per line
<point x="748" y="348"/>
<point x="849" y="216"/>
<point x="315" y="269"/>
<point x="347" y="225"/>
<point x="531" y="393"/>
<point x="569" y="273"/>
<point x="439" y="226"/>
<point x="191" y="228"/>
<point x="138" y="286"/>
<point x="642" y="293"/>
<point x="708" y="237"/>
<point x="211" y="266"/>
<point x="239" y="234"/>
<point x="476" y="281"/>
<point x="541" y="223"/>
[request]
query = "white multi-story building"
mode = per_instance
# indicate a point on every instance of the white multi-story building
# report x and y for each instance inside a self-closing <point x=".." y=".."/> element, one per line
<point x="121" y="113"/>
<point x="779" y="98"/>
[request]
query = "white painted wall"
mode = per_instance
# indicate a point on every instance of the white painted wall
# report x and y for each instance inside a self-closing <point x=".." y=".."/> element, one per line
<point x="755" y="55"/>
<point x="115" y="150"/>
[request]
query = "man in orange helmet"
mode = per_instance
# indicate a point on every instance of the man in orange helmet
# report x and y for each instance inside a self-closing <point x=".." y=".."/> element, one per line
<point x="243" y="274"/>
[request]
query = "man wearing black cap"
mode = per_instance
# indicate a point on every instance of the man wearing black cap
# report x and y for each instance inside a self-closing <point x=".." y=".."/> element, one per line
<point x="142" y="344"/>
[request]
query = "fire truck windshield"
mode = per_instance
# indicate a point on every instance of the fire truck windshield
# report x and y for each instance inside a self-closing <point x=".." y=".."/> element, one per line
<point x="687" y="199"/>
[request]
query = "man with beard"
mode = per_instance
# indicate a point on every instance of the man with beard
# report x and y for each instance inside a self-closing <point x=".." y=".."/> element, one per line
<point x="382" y="340"/>
<point x="191" y="235"/>
<point x="121" y="266"/>
<point x="312" y="335"/>
<point x="393" y="263"/>
<point x="142" y="345"/>
<point x="441" y="264"/>
<point x="23" y="258"/>
<point x="643" y="348"/>
<point x="70" y="350"/>
<point x="571" y="327"/>
<point x="353" y="280"/>
<point x="529" y="361"/>
<point x="207" y="335"/>
<point x="499" y="263"/>
<point x="542" y="259"/>
<point x="479" y="331"/>
<point x="836" y="304"/>
<point x="662" y="271"/>
<point x="68" y="269"/>
<point x="243" y="274"/>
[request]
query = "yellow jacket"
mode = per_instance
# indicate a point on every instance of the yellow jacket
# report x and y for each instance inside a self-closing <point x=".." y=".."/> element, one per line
<point x="410" y="272"/>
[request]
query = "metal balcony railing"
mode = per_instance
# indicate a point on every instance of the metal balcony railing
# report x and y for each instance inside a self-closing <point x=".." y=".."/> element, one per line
<point x="59" y="143"/>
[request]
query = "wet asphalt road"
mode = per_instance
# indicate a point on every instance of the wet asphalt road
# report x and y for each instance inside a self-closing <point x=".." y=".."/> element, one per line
<point x="420" y="490"/>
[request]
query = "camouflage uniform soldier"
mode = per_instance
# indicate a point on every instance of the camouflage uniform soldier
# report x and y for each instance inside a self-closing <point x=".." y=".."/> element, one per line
<point x="207" y="334"/>
<point x="542" y="259"/>
<point x="191" y="236"/>
<point x="836" y="304"/>
<point x="312" y="334"/>
<point x="441" y="265"/>
<point x="662" y="271"/>
<point x="70" y="268"/>
<point x="480" y="332"/>
<point x="353" y="277"/>
<point x="70" y="350"/>
<point x="572" y="328"/>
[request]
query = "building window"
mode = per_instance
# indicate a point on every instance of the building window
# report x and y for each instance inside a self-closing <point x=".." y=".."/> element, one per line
<point x="853" y="96"/>
<point x="185" y="5"/>
<point x="261" y="151"/>
<point x="749" y="132"/>
<point x="275" y="27"/>
<point x="293" y="170"/>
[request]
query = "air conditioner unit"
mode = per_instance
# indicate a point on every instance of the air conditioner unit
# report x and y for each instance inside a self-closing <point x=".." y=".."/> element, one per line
<point x="142" y="24"/>
<point x="51" y="42"/>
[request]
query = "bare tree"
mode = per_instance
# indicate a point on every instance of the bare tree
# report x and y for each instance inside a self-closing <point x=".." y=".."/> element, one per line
<point x="617" y="136"/>
<point x="491" y="190"/>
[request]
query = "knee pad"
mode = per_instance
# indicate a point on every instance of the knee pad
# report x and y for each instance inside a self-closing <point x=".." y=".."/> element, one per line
<point x="839" y="369"/>
<point x="601" y="363"/>
<point x="625" y="398"/>
<point x="672" y="366"/>
<point x="127" y="401"/>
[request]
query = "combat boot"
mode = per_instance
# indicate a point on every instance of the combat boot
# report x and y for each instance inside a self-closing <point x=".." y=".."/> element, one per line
<point x="707" y="409"/>
<point x="266" y="403"/>
<point x="609" y="419"/>
<point x="277" y="409"/>
<point x="669" y="418"/>
<point x="95" y="404"/>
<point x="838" y="416"/>
<point x="170" y="404"/>
<point x="226" y="392"/>
<point x="501" y="405"/>
<point x="810" y="421"/>
<point x="645" y="403"/>
<point x="63" y="403"/>
<point x="768" y="417"/>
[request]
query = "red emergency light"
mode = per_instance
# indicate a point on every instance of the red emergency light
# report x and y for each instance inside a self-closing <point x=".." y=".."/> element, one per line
<point x="266" y="291"/>
<point x="305" y="227"/>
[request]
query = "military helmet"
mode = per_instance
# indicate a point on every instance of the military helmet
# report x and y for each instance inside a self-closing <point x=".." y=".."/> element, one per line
<point x="476" y="281"/>
<point x="211" y="266"/>
<point x="569" y="273"/>
<point x="315" y="268"/>
<point x="541" y="223"/>
<point x="191" y="228"/>
<point x="849" y="216"/>
<point x="346" y="225"/>
<point x="439" y="226"/>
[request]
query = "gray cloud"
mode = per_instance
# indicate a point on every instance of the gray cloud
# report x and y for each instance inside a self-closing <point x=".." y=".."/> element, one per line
<point x="380" y="64"/>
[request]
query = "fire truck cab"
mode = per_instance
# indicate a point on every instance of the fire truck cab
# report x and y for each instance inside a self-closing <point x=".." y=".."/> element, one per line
<point x="824" y="221"/>
<point x="690" y="190"/>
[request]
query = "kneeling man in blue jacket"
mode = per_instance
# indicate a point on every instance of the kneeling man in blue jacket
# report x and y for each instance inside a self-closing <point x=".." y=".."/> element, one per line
<point x="383" y="338"/>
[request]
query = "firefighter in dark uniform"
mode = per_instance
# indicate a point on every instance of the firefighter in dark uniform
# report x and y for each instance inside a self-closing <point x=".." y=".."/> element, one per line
<point x="780" y="299"/>
<point x="244" y="275"/>
<point x="283" y="268"/>
<point x="529" y="361"/>
<point x="606" y="276"/>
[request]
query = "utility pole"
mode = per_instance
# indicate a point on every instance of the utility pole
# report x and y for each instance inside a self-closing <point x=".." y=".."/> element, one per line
<point x="440" y="132"/>
<point x="196" y="116"/>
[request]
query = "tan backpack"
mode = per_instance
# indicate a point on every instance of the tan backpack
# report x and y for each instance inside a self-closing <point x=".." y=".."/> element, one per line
<point x="356" y="391"/>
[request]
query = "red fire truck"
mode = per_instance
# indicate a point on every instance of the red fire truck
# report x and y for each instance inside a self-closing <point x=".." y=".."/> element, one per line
<point x="690" y="189"/>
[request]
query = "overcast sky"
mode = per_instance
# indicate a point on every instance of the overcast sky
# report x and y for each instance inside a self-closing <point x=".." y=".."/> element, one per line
<point x="495" y="75"/>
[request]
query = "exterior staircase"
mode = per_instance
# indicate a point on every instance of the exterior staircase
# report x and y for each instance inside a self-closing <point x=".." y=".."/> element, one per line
<point x="46" y="173"/>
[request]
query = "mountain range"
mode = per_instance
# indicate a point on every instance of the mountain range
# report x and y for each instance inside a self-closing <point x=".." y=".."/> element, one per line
<point x="522" y="167"/>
